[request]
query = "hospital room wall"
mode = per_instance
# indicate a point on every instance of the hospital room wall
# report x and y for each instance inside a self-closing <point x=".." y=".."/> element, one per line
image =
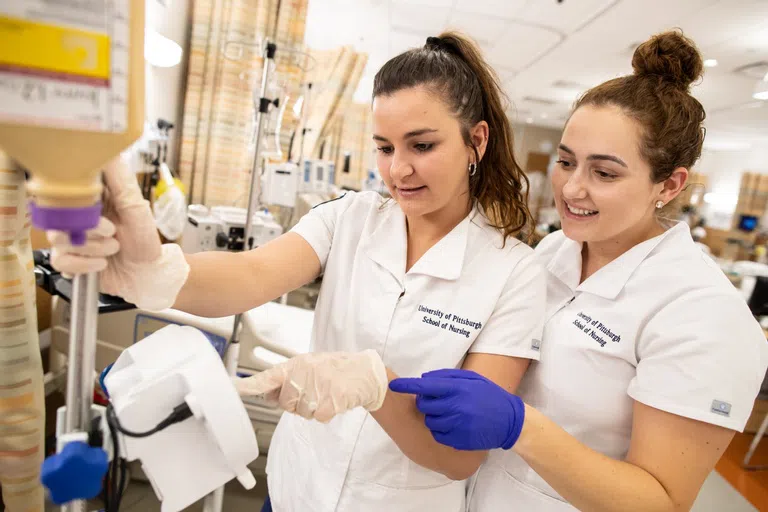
<point x="535" y="150"/>
<point x="724" y="170"/>
<point x="165" y="86"/>
<point x="536" y="139"/>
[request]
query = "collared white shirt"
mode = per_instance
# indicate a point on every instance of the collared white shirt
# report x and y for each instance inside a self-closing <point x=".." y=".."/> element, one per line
<point x="660" y="325"/>
<point x="468" y="293"/>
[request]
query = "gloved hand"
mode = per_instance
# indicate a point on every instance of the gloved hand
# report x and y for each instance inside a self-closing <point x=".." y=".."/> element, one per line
<point x="465" y="410"/>
<point x="125" y="247"/>
<point x="322" y="385"/>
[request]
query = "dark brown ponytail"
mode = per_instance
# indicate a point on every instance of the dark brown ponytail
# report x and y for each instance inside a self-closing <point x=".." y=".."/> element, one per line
<point x="453" y="67"/>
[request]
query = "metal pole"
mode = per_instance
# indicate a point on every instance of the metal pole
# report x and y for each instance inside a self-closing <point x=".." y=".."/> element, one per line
<point x="214" y="501"/>
<point x="299" y="161"/>
<point x="263" y="108"/>
<point x="81" y="360"/>
<point x="753" y="446"/>
<point x="304" y="121"/>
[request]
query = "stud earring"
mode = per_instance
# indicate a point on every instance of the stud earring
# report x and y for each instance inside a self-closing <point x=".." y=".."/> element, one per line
<point x="472" y="169"/>
<point x="659" y="205"/>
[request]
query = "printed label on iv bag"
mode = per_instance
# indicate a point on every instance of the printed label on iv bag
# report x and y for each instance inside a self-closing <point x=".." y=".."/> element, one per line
<point x="64" y="63"/>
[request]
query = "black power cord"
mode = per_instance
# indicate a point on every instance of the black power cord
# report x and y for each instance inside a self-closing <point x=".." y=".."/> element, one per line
<point x="179" y="414"/>
<point x="113" y="496"/>
<point x="117" y="475"/>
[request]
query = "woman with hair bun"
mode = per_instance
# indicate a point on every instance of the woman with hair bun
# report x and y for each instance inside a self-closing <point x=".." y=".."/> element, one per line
<point x="650" y="359"/>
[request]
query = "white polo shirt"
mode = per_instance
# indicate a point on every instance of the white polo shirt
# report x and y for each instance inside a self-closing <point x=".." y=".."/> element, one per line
<point x="661" y="325"/>
<point x="466" y="294"/>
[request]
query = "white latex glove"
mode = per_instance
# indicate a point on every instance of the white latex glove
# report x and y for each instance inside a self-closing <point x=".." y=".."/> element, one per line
<point x="320" y="386"/>
<point x="125" y="247"/>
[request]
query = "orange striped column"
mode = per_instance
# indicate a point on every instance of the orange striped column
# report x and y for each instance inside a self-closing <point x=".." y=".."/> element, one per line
<point x="22" y="407"/>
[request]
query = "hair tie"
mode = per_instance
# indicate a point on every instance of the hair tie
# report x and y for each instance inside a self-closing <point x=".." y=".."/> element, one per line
<point x="436" y="43"/>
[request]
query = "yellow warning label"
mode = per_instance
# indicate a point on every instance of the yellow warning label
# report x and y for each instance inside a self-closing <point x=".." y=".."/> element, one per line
<point x="27" y="45"/>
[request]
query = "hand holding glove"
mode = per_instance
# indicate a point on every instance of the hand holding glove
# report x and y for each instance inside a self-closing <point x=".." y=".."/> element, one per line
<point x="125" y="247"/>
<point x="321" y="385"/>
<point x="465" y="410"/>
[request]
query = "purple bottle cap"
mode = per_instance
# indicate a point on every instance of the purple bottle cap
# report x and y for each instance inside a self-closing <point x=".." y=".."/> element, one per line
<point x="75" y="221"/>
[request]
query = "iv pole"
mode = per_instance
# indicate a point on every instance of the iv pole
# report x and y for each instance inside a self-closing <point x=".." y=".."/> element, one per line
<point x="81" y="362"/>
<point x="304" y="121"/>
<point x="214" y="501"/>
<point x="299" y="161"/>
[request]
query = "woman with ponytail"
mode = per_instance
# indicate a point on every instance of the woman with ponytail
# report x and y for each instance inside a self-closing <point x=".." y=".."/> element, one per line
<point x="434" y="278"/>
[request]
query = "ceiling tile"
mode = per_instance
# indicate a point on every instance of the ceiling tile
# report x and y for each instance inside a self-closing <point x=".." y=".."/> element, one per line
<point x="506" y="9"/>
<point x="401" y="41"/>
<point x="521" y="45"/>
<point x="484" y="29"/>
<point x="445" y="4"/>
<point x="721" y="22"/>
<point x="335" y="23"/>
<point x="418" y="18"/>
<point x="563" y="16"/>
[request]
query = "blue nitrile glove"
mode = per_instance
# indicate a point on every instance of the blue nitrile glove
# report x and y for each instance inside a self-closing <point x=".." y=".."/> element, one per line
<point x="102" y="376"/>
<point x="74" y="474"/>
<point x="465" y="410"/>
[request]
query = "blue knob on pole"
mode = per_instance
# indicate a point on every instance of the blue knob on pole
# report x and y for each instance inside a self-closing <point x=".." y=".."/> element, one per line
<point x="76" y="473"/>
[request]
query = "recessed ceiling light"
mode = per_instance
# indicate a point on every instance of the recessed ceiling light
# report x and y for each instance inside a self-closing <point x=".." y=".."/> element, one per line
<point x="529" y="120"/>
<point x="710" y="63"/>
<point x="544" y="115"/>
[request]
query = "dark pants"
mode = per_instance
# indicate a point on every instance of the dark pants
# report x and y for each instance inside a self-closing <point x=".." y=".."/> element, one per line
<point x="267" y="505"/>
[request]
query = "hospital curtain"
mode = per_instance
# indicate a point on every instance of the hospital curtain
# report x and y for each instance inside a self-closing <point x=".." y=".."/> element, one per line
<point x="216" y="149"/>
<point x="22" y="410"/>
<point x="216" y="153"/>
<point x="336" y="74"/>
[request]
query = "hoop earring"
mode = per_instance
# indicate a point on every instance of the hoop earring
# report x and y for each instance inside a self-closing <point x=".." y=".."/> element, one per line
<point x="472" y="169"/>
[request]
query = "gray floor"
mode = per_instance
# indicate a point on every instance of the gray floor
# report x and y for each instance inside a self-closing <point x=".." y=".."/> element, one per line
<point x="139" y="497"/>
<point x="716" y="496"/>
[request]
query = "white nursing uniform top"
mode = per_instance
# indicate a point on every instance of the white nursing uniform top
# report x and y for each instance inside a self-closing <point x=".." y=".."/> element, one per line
<point x="466" y="294"/>
<point x="661" y="325"/>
